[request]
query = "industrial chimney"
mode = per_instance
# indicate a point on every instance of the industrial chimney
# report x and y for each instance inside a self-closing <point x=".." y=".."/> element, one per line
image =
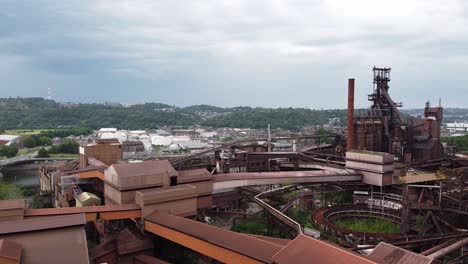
<point x="350" y="133"/>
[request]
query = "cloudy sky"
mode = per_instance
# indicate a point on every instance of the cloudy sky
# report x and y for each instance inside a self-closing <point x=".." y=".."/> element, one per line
<point x="227" y="53"/>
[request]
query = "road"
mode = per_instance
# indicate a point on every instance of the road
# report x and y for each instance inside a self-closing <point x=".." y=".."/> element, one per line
<point x="20" y="158"/>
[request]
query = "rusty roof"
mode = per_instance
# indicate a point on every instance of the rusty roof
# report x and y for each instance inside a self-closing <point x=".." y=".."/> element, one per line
<point x="388" y="254"/>
<point x="276" y="240"/>
<point x="10" y="250"/>
<point x="146" y="259"/>
<point x="241" y="243"/>
<point x="303" y="249"/>
<point x="278" y="174"/>
<point x="195" y="175"/>
<point x="148" y="167"/>
<point x="80" y="210"/>
<point x="67" y="166"/>
<point x="96" y="163"/>
<point x="12" y="204"/>
<point x="37" y="224"/>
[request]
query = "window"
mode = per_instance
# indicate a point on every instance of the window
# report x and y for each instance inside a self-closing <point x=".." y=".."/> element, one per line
<point x="173" y="180"/>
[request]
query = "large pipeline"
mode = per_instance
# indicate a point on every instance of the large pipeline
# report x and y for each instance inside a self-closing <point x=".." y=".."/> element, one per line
<point x="350" y="131"/>
<point x="447" y="250"/>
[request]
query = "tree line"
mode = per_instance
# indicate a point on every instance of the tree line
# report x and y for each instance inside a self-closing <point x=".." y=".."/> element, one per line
<point x="19" y="113"/>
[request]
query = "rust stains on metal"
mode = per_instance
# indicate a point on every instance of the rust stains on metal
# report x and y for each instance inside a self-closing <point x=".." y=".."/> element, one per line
<point x="37" y="224"/>
<point x="10" y="252"/>
<point x="304" y="249"/>
<point x="350" y="132"/>
<point x="243" y="244"/>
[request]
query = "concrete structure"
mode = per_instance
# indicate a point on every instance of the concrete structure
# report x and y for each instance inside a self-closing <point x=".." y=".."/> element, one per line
<point x="377" y="168"/>
<point x="234" y="180"/>
<point x="156" y="185"/>
<point x="107" y="151"/>
<point x="178" y="200"/>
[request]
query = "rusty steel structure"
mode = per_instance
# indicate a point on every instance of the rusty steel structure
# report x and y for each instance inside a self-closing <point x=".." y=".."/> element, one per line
<point x="383" y="128"/>
<point x="350" y="133"/>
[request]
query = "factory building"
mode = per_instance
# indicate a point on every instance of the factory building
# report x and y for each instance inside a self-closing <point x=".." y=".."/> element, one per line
<point x="108" y="151"/>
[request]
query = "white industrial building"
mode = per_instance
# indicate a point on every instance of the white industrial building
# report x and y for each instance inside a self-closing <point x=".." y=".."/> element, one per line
<point x="457" y="127"/>
<point x="8" y="140"/>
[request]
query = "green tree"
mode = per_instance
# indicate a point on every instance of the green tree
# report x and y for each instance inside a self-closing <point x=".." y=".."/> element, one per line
<point x="29" y="142"/>
<point x="8" y="151"/>
<point x="44" y="141"/>
<point x="10" y="191"/>
<point x="69" y="146"/>
<point x="43" y="153"/>
<point x="11" y="151"/>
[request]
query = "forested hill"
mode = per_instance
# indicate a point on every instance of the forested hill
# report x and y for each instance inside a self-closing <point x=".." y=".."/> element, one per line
<point x="40" y="113"/>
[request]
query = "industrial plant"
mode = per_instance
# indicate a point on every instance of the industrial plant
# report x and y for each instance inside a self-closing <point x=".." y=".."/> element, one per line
<point x="384" y="190"/>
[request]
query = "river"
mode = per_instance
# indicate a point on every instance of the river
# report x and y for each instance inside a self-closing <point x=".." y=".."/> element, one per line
<point x="24" y="177"/>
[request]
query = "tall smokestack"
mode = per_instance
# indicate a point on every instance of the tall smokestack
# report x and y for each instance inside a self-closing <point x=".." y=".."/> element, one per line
<point x="350" y="134"/>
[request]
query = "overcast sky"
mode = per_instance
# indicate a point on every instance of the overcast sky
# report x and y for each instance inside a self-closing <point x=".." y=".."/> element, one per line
<point x="228" y="53"/>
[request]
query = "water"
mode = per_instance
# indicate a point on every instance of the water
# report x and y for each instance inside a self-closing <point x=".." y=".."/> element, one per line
<point x="26" y="177"/>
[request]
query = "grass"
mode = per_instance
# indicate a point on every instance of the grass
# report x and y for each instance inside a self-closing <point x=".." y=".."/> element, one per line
<point x="301" y="217"/>
<point x="64" y="155"/>
<point x="369" y="225"/>
<point x="250" y="227"/>
<point x="25" y="132"/>
<point x="27" y="151"/>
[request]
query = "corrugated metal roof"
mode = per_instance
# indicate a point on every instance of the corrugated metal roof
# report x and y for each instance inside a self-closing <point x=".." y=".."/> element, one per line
<point x="276" y="240"/>
<point x="10" y="250"/>
<point x="149" y="167"/>
<point x="388" y="254"/>
<point x="305" y="250"/>
<point x="145" y="259"/>
<point x="244" y="244"/>
<point x="80" y="210"/>
<point x="37" y="224"/>
<point x="195" y="175"/>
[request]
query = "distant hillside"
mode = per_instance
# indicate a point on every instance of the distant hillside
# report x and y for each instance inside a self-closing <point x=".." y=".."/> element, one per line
<point x="18" y="113"/>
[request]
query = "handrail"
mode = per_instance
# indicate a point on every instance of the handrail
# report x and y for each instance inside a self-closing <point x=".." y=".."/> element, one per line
<point x="282" y="217"/>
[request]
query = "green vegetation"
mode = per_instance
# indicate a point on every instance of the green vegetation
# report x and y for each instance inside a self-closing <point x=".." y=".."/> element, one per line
<point x="8" y="151"/>
<point x="250" y="227"/>
<point x="43" y="153"/>
<point x="44" y="141"/>
<point x="368" y="225"/>
<point x="32" y="116"/>
<point x="67" y="146"/>
<point x="303" y="218"/>
<point x="24" y="132"/>
<point x="337" y="197"/>
<point x="27" y="151"/>
<point x="63" y="155"/>
<point x="28" y="141"/>
<point x="226" y="139"/>
<point x="286" y="118"/>
<point x="10" y="192"/>
<point x="460" y="143"/>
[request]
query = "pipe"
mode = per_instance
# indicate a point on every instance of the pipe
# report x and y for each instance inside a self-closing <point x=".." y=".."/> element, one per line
<point x="447" y="250"/>
<point x="438" y="247"/>
<point x="350" y="133"/>
<point x="451" y="226"/>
